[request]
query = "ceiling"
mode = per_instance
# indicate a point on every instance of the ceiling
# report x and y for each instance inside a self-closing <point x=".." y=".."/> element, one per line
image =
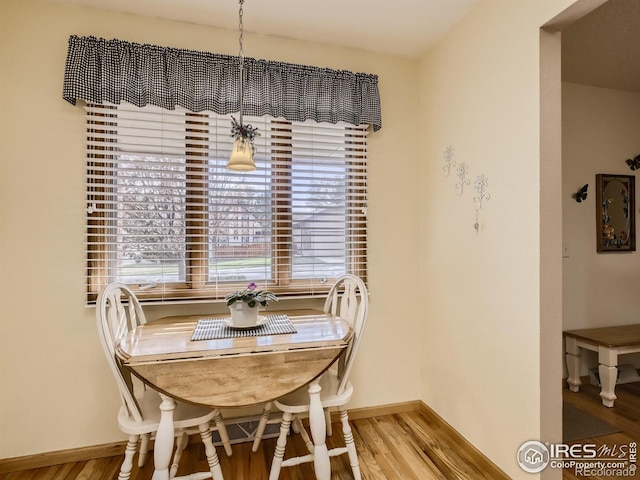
<point x="603" y="48"/>
<point x="399" y="27"/>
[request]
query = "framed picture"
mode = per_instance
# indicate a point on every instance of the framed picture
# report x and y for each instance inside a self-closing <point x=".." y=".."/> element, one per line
<point x="615" y="213"/>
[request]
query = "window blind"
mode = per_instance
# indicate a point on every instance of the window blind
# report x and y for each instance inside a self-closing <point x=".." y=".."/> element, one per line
<point x="165" y="216"/>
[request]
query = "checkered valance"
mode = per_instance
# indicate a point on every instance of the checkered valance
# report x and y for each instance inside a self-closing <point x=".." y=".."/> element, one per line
<point x="99" y="70"/>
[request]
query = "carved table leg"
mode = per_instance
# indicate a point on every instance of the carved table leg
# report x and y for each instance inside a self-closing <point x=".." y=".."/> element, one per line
<point x="573" y="364"/>
<point x="164" y="439"/>
<point x="608" y="369"/>
<point x="318" y="429"/>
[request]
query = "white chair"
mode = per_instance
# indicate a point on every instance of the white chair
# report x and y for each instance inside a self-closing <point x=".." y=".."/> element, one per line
<point x="343" y="301"/>
<point x="139" y="415"/>
<point x="348" y="299"/>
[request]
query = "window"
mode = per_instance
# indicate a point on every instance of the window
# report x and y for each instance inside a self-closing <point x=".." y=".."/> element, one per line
<point x="165" y="216"/>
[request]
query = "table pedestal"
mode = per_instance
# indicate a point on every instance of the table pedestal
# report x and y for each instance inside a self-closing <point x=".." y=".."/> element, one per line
<point x="164" y="446"/>
<point x="318" y="428"/>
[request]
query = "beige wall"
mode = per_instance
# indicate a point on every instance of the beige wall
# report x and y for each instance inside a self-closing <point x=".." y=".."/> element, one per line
<point x="599" y="131"/>
<point x="55" y="388"/>
<point x="480" y="93"/>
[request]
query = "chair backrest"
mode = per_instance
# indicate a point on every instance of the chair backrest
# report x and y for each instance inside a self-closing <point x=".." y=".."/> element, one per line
<point x="115" y="319"/>
<point x="349" y="299"/>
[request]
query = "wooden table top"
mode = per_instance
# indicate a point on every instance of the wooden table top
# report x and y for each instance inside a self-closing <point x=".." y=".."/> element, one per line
<point x="619" y="336"/>
<point x="169" y="338"/>
<point x="233" y="372"/>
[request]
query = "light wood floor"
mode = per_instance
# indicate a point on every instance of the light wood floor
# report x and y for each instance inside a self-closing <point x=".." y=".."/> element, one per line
<point x="403" y="446"/>
<point x="625" y="414"/>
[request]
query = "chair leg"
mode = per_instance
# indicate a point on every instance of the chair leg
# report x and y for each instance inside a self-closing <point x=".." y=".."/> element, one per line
<point x="129" y="452"/>
<point x="327" y="417"/>
<point x="262" y="424"/>
<point x="299" y="428"/>
<point x="351" y="446"/>
<point x="222" y="430"/>
<point x="144" y="449"/>
<point x="181" y="444"/>
<point x="280" y="446"/>
<point x="210" y="452"/>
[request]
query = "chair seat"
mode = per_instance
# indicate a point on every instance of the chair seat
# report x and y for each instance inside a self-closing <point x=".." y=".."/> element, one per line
<point x="298" y="401"/>
<point x="184" y="416"/>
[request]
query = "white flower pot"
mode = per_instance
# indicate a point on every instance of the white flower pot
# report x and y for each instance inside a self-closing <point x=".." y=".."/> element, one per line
<point x="242" y="315"/>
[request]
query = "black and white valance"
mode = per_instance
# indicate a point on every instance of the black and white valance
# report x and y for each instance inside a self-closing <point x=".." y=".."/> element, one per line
<point x="99" y="71"/>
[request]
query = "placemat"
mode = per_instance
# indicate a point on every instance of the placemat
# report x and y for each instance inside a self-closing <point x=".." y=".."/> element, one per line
<point x="215" y="328"/>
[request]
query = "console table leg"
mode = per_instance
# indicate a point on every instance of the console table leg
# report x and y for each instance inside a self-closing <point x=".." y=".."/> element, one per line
<point x="573" y="364"/>
<point x="608" y="370"/>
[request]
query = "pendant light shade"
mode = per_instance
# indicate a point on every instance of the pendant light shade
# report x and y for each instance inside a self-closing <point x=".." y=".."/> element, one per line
<point x="241" y="156"/>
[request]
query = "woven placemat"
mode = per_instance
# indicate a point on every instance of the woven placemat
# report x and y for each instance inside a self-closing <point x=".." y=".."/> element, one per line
<point x="216" y="328"/>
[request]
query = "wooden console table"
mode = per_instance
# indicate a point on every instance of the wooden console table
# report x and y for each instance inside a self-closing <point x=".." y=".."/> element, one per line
<point x="608" y="342"/>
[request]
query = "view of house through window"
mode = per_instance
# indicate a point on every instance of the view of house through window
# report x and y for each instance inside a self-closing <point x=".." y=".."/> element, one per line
<point x="166" y="216"/>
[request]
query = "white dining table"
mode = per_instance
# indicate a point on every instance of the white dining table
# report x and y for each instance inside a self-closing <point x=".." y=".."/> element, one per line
<point x="234" y="372"/>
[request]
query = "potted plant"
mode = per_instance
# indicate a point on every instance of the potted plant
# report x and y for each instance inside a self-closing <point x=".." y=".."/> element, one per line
<point x="244" y="304"/>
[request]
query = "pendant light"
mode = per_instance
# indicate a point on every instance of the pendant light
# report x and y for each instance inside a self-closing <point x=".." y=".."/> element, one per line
<point x="244" y="135"/>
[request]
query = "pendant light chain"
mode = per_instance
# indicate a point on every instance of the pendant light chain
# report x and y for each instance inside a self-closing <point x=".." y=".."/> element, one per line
<point x="241" y="41"/>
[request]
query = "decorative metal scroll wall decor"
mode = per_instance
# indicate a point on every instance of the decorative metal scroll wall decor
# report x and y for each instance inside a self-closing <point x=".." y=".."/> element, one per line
<point x="463" y="170"/>
<point x="480" y="185"/>
<point x="615" y="213"/>
<point x="449" y="162"/>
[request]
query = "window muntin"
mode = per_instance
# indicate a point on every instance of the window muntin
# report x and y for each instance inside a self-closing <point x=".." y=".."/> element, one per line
<point x="166" y="216"/>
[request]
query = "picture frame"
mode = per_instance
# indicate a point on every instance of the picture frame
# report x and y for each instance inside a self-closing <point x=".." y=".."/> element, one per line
<point x="615" y="213"/>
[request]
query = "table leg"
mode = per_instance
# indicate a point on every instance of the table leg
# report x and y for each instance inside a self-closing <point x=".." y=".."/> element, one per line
<point x="164" y="439"/>
<point x="573" y="364"/>
<point x="318" y="429"/>
<point x="608" y="369"/>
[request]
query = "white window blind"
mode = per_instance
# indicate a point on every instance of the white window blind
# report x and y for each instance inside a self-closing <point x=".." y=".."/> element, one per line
<point x="165" y="216"/>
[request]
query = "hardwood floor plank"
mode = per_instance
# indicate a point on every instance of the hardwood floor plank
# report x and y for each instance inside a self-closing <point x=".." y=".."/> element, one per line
<point x="43" y="473"/>
<point x="376" y="449"/>
<point x="368" y="465"/>
<point x="415" y="465"/>
<point x="452" y="462"/>
<point x="93" y="469"/>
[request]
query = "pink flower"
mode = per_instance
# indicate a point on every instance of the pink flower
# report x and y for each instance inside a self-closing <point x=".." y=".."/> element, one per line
<point x="252" y="286"/>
